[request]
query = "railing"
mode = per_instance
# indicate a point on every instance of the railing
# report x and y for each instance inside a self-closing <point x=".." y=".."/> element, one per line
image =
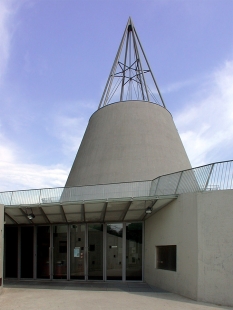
<point x="78" y="193"/>
<point x="216" y="176"/>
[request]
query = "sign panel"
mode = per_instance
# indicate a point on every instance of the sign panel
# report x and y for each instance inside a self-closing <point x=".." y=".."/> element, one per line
<point x="77" y="252"/>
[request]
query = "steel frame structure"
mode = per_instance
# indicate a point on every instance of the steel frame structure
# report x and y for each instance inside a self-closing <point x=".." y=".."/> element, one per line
<point x="130" y="73"/>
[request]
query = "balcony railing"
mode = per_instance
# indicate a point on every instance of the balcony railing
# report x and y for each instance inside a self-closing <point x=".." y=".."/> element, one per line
<point x="215" y="176"/>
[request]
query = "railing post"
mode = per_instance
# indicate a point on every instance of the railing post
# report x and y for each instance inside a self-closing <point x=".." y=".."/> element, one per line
<point x="39" y="196"/>
<point x="11" y="198"/>
<point x="208" y="179"/>
<point x="178" y="183"/>
<point x="157" y="185"/>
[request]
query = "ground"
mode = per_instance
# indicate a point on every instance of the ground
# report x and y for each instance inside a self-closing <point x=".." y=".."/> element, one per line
<point x="89" y="296"/>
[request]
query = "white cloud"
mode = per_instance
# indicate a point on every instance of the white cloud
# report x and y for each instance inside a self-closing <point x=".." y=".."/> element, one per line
<point x="16" y="174"/>
<point x="206" y="124"/>
<point x="177" y="86"/>
<point x="69" y="130"/>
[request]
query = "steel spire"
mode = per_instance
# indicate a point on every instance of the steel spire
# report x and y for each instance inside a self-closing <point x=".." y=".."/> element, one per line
<point x="131" y="77"/>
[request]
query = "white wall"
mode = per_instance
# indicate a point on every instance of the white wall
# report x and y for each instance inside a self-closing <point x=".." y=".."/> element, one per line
<point x="1" y="244"/>
<point x="201" y="225"/>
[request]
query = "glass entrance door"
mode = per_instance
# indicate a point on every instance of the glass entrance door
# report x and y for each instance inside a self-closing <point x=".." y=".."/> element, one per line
<point x="27" y="252"/>
<point x="43" y="248"/>
<point x="95" y="252"/>
<point x="60" y="251"/>
<point x="134" y="251"/>
<point x="77" y="251"/>
<point x="114" y="251"/>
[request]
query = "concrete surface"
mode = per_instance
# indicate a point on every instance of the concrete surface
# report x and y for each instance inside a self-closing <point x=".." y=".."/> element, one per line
<point x="175" y="224"/>
<point x="200" y="225"/>
<point x="128" y="141"/>
<point x="91" y="296"/>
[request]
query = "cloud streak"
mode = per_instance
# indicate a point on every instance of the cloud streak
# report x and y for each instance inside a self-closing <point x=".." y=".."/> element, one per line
<point x="16" y="174"/>
<point x="206" y="123"/>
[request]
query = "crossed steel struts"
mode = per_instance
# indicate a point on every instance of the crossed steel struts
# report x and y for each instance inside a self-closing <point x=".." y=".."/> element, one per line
<point x="127" y="78"/>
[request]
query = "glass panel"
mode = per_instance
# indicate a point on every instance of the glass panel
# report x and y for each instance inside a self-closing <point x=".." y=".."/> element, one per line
<point x="43" y="244"/>
<point x="27" y="252"/>
<point x="114" y="251"/>
<point x="95" y="252"/>
<point x="134" y="251"/>
<point x="60" y="252"/>
<point x="77" y="246"/>
<point x="11" y="252"/>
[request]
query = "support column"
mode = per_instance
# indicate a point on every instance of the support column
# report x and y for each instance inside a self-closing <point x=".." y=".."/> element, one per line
<point x="1" y="245"/>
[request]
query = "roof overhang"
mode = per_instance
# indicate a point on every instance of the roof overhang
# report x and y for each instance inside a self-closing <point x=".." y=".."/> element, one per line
<point x="89" y="211"/>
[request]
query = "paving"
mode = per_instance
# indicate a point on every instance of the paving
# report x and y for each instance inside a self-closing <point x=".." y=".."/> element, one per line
<point x="93" y="296"/>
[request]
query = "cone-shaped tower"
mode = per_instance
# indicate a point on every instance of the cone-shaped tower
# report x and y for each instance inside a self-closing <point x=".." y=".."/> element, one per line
<point x="134" y="139"/>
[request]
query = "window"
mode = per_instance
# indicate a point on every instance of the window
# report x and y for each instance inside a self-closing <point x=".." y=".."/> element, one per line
<point x="166" y="257"/>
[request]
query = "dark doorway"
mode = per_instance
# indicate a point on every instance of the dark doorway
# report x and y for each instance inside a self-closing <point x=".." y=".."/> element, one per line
<point x="11" y="252"/>
<point x="27" y="252"/>
<point x="43" y="246"/>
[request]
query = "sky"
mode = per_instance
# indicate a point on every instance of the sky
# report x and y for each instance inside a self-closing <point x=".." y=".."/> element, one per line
<point x="56" y="55"/>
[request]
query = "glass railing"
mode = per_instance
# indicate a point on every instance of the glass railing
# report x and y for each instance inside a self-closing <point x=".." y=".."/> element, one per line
<point x="215" y="176"/>
<point x="78" y="193"/>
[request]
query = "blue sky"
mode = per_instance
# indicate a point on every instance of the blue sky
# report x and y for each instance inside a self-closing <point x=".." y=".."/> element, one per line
<point x="55" y="57"/>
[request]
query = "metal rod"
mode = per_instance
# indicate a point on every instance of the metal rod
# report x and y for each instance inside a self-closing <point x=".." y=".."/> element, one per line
<point x="104" y="212"/>
<point x="63" y="214"/>
<point x="178" y="183"/>
<point x="112" y="72"/>
<point x="207" y="182"/>
<point x="68" y="252"/>
<point x="83" y="212"/>
<point x="139" y="66"/>
<point x="35" y="252"/>
<point x="150" y="69"/>
<point x="139" y="60"/>
<point x="44" y="215"/>
<point x="25" y="214"/>
<point x="11" y="218"/>
<point x="19" y="254"/>
<point x="123" y="259"/>
<point x="126" y="210"/>
<point x="123" y="78"/>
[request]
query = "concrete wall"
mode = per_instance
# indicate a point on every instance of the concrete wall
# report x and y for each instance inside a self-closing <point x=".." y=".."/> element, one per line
<point x="128" y="141"/>
<point x="175" y="224"/>
<point x="200" y="224"/>
<point x="215" y="244"/>
<point x="1" y="245"/>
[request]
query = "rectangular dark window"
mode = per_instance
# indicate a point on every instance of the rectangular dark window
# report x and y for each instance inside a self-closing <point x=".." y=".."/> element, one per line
<point x="166" y="257"/>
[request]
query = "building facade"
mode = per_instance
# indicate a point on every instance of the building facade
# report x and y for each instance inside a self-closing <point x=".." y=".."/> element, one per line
<point x="132" y="208"/>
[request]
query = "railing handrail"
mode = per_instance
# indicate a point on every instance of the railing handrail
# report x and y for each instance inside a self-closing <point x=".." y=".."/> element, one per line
<point x="217" y="175"/>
